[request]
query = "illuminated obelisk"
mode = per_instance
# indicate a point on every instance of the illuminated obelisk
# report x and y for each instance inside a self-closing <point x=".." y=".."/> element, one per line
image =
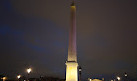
<point x="71" y="63"/>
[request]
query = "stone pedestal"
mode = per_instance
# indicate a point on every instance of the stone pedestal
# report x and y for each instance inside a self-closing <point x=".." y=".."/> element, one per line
<point x="71" y="71"/>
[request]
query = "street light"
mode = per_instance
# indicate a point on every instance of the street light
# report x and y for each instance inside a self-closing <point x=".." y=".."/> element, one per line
<point x="28" y="71"/>
<point x="80" y="69"/>
<point x="18" y="76"/>
<point x="118" y="78"/>
<point x="125" y="74"/>
<point x="4" y="78"/>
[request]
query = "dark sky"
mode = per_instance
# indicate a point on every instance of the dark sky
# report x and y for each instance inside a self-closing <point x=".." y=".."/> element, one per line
<point x="34" y="33"/>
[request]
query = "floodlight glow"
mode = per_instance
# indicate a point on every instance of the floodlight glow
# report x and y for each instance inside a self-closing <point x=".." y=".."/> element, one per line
<point x="29" y="70"/>
<point x="4" y="78"/>
<point x="18" y="76"/>
<point x="125" y="74"/>
<point x="118" y="78"/>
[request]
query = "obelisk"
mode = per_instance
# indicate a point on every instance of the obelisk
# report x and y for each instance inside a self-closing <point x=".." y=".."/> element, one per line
<point x="71" y="63"/>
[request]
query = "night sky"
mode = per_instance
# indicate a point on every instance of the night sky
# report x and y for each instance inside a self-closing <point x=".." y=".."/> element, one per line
<point x="34" y="33"/>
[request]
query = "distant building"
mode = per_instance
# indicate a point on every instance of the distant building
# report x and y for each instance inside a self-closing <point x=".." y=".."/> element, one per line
<point x="96" y="80"/>
<point x="34" y="79"/>
<point x="50" y="79"/>
<point x="89" y="79"/>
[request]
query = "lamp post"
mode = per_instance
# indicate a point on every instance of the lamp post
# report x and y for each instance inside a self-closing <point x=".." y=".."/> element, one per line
<point x="4" y="78"/>
<point x="118" y="78"/>
<point x="28" y="71"/>
<point x="125" y="76"/>
<point x="80" y="69"/>
<point x="19" y="76"/>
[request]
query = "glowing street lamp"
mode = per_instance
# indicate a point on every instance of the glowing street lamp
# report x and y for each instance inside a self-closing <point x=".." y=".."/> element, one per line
<point x="4" y="78"/>
<point x="80" y="69"/>
<point x="118" y="78"/>
<point x="29" y="70"/>
<point x="125" y="74"/>
<point x="19" y="76"/>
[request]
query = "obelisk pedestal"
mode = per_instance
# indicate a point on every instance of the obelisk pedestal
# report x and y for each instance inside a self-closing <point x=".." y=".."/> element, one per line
<point x="71" y="71"/>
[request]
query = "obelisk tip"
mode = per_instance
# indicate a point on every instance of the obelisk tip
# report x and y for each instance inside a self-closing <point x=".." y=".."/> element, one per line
<point x="73" y="3"/>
